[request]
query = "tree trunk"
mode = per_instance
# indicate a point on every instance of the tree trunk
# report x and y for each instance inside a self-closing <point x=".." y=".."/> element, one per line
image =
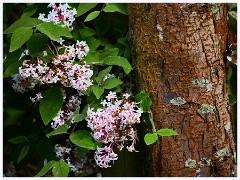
<point x="178" y="52"/>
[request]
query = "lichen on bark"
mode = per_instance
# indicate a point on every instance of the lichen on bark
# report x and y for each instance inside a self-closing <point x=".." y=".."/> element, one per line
<point x="166" y="70"/>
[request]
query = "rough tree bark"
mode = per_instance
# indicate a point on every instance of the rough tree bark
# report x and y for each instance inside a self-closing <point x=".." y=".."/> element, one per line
<point x="178" y="52"/>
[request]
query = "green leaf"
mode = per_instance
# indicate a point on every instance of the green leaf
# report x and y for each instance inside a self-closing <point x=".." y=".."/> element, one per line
<point x="127" y="52"/>
<point x="102" y="24"/>
<point x="234" y="52"/>
<point x="83" y="138"/>
<point x="230" y="72"/>
<point x="109" y="52"/>
<point x="123" y="41"/>
<point x="12" y="69"/>
<point x="60" y="169"/>
<point x="19" y="37"/>
<point x="46" y="168"/>
<point x="23" y="153"/>
<point x="120" y="26"/>
<point x="141" y="96"/>
<point x="11" y="58"/>
<point x="76" y="117"/>
<point x="120" y="61"/>
<point x="93" y="43"/>
<point x="22" y="22"/>
<point x="166" y="132"/>
<point x="232" y="99"/>
<point x="36" y="48"/>
<point x="18" y="139"/>
<point x="44" y="147"/>
<point x="145" y="101"/>
<point x="97" y="144"/>
<point x="29" y="11"/>
<point x="233" y="14"/>
<point x="104" y="41"/>
<point x="232" y="5"/>
<point x="150" y="138"/>
<point x="84" y="7"/>
<point x="92" y="16"/>
<point x="76" y="35"/>
<point x="116" y="7"/>
<point x="92" y="58"/>
<point x="97" y="91"/>
<point x="81" y="151"/>
<point x="86" y="32"/>
<point x="117" y="89"/>
<point x="49" y="29"/>
<point x="50" y="104"/>
<point x="103" y="73"/>
<point x="54" y="32"/>
<point x="64" y="31"/>
<point x="83" y="114"/>
<point x="111" y="83"/>
<point x="60" y="130"/>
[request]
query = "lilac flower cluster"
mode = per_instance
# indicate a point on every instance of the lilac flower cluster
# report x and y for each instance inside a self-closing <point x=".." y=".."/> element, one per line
<point x="61" y="152"/>
<point x="113" y="125"/>
<point x="79" y="50"/>
<point x="60" y="69"/>
<point x="66" y="112"/>
<point x="80" y="165"/>
<point x="62" y="13"/>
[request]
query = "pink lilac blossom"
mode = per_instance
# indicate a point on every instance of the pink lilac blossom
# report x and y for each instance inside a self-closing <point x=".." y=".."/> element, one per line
<point x="104" y="156"/>
<point x="79" y="50"/>
<point x="59" y="70"/>
<point x="113" y="124"/>
<point x="62" y="13"/>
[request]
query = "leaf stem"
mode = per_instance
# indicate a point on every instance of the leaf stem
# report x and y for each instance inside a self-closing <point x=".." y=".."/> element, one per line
<point x="153" y="126"/>
<point x="151" y="120"/>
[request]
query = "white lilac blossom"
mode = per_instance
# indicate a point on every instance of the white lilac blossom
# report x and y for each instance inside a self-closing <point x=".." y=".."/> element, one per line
<point x="66" y="112"/>
<point x="74" y="102"/>
<point x="62" y="13"/>
<point x="113" y="124"/>
<point x="37" y="97"/>
<point x="106" y="77"/>
<point x="25" y="53"/>
<point x="60" y="70"/>
<point x="45" y="53"/>
<point x="60" y="150"/>
<point x="60" y="119"/>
